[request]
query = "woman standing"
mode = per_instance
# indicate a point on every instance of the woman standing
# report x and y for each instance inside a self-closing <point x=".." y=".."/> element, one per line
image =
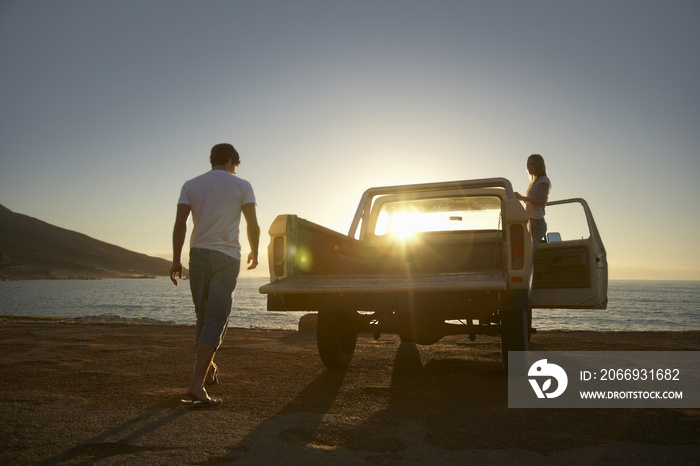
<point x="536" y="197"/>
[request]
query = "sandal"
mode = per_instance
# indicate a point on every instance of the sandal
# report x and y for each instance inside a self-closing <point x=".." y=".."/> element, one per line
<point x="197" y="402"/>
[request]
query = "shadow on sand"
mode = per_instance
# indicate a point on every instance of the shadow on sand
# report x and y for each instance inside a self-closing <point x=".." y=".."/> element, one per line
<point x="312" y="428"/>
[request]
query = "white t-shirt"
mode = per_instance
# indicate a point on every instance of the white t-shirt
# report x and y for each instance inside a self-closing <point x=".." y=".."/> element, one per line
<point x="216" y="199"/>
<point x="533" y="210"/>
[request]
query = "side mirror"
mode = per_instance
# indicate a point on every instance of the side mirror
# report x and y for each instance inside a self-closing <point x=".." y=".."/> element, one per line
<point x="553" y="237"/>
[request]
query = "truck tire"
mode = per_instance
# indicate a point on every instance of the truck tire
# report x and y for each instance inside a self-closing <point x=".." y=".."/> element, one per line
<point x="514" y="333"/>
<point x="336" y="337"/>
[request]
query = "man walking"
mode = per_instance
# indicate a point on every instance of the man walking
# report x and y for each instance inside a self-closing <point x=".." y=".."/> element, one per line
<point x="216" y="200"/>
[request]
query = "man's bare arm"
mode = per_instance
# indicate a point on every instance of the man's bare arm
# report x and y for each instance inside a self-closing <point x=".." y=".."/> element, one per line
<point x="253" y="230"/>
<point x="179" y="234"/>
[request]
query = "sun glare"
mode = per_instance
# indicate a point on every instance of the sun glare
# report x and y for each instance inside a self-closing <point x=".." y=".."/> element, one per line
<point x="403" y="219"/>
<point x="407" y="224"/>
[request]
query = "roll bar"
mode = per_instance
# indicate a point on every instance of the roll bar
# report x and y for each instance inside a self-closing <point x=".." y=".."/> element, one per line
<point x="362" y="212"/>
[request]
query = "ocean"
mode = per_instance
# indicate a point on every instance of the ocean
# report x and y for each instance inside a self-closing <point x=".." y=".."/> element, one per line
<point x="633" y="305"/>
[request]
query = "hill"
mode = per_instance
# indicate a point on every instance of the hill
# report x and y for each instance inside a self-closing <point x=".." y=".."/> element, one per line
<point x="30" y="248"/>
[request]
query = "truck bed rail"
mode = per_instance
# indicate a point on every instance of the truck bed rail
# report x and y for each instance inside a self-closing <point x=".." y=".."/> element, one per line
<point x="329" y="284"/>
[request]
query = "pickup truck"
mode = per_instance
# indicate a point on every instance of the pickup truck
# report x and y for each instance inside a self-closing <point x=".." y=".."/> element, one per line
<point x="429" y="260"/>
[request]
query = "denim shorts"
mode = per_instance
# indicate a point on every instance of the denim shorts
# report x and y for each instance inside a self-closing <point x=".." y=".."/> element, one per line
<point x="213" y="278"/>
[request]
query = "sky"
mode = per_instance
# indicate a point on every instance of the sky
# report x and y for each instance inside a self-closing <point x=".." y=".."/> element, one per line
<point x="107" y="107"/>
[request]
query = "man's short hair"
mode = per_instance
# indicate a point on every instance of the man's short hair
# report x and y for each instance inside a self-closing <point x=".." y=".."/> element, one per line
<point x="222" y="153"/>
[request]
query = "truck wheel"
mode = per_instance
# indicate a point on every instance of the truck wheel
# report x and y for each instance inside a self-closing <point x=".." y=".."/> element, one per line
<point x="514" y="333"/>
<point x="336" y="337"/>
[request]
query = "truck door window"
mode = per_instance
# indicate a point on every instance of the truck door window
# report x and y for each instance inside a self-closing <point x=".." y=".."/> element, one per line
<point x="569" y="220"/>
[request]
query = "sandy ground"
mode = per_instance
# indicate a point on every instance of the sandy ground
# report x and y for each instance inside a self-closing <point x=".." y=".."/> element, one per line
<point x="109" y="394"/>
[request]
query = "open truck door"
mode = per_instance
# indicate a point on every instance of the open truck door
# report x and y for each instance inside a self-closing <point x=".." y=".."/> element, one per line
<point x="571" y="268"/>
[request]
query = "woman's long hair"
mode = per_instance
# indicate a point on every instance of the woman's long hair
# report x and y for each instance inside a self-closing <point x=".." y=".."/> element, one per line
<point x="540" y="168"/>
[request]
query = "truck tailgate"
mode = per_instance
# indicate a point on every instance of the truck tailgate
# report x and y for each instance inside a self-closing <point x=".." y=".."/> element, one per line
<point x="334" y="284"/>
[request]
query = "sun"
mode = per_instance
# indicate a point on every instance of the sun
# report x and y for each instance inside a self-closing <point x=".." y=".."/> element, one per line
<point x="407" y="224"/>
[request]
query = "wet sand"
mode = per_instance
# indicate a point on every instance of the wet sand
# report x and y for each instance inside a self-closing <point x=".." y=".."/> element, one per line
<point x="109" y="394"/>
